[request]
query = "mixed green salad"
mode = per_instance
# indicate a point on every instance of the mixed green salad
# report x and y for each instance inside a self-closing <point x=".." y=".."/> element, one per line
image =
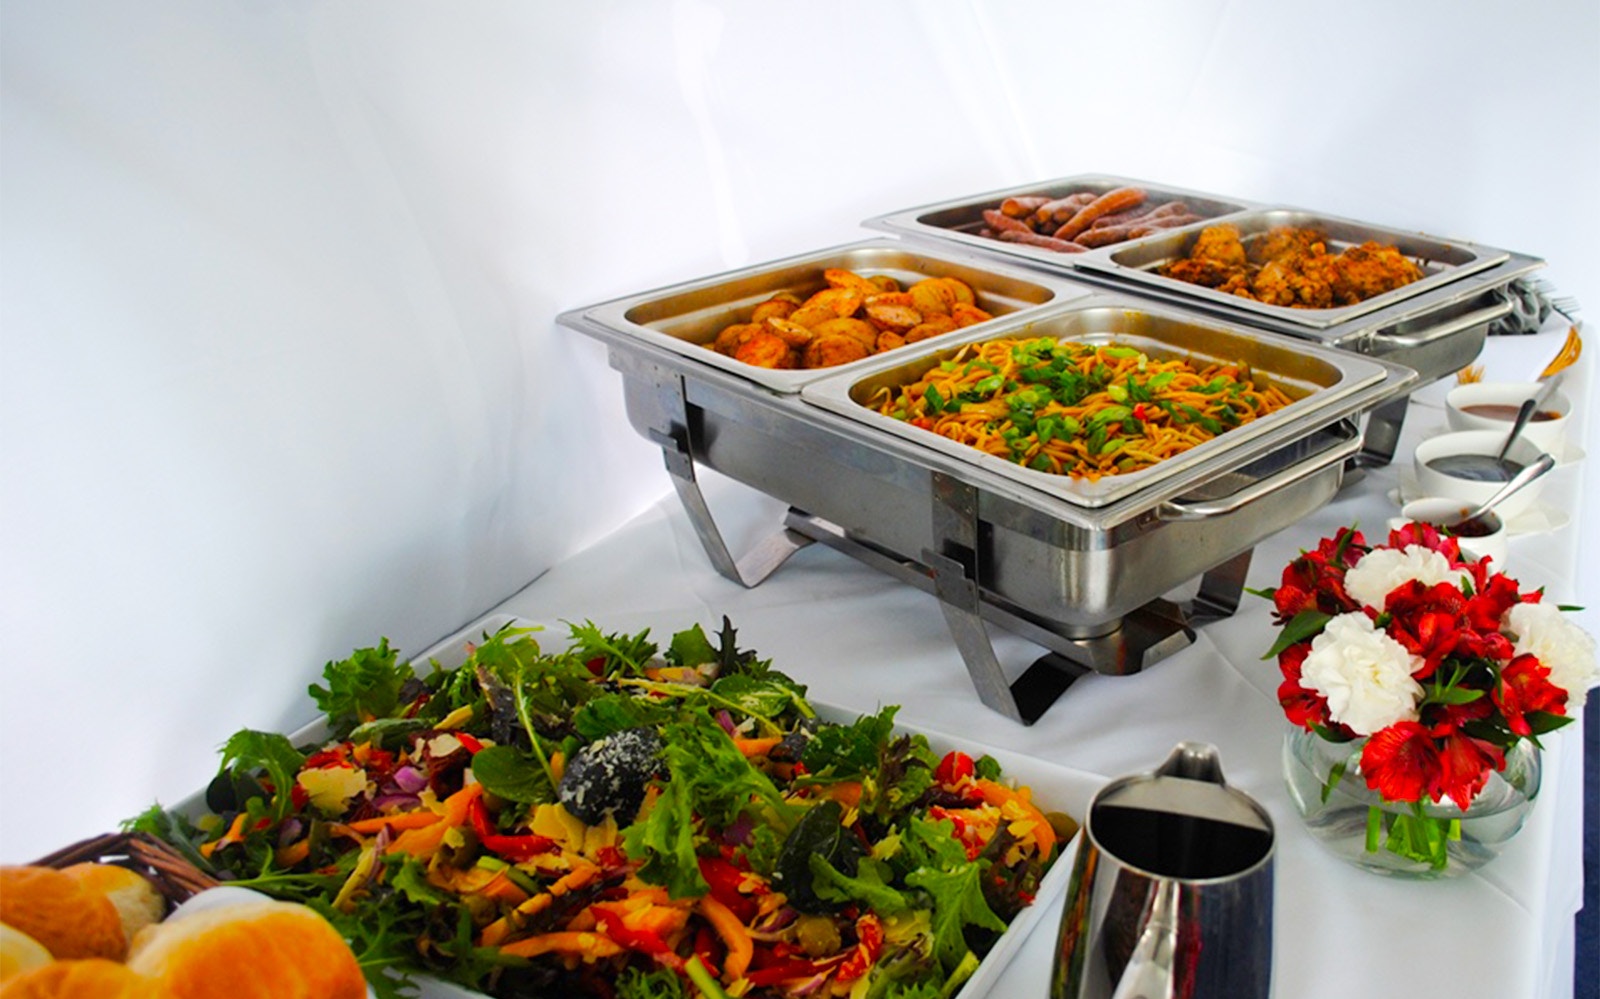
<point x="619" y="820"/>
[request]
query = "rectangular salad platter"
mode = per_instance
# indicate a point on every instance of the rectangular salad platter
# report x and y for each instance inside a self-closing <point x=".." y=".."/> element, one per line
<point x="1054" y="787"/>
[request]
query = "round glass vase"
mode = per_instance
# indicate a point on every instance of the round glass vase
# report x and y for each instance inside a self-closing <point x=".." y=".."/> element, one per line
<point x="1402" y="839"/>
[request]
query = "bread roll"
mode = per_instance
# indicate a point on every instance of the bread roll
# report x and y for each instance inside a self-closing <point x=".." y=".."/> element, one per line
<point x="249" y="950"/>
<point x="20" y="952"/>
<point x="57" y="909"/>
<point x="86" y="978"/>
<point x="136" y="900"/>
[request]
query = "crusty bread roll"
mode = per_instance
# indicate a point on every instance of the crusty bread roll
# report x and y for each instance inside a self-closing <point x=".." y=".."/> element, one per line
<point x="85" y="978"/>
<point x="249" y="950"/>
<point x="60" y="911"/>
<point x="136" y="900"/>
<point x="20" y="952"/>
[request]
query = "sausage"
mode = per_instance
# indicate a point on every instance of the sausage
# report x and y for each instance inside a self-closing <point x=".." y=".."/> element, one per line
<point x="1061" y="209"/>
<point x="1022" y="207"/>
<point x="1116" y="200"/>
<point x="1031" y="238"/>
<point x="1001" y="222"/>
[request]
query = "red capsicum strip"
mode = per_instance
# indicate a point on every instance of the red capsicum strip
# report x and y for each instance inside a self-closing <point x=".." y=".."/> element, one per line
<point x="643" y="941"/>
<point x="513" y="848"/>
<point x="724" y="879"/>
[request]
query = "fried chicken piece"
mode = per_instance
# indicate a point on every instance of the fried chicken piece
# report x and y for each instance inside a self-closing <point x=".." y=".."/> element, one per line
<point x="1283" y="241"/>
<point x="1371" y="269"/>
<point x="1217" y="256"/>
<point x="1301" y="280"/>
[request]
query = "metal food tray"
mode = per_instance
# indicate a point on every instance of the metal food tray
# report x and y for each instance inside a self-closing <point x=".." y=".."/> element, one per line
<point x="686" y="318"/>
<point x="1441" y="262"/>
<point x="1314" y="379"/>
<point x="959" y="220"/>
<point x="1088" y="580"/>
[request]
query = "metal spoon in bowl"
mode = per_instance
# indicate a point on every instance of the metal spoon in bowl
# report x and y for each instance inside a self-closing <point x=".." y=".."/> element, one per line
<point x="1534" y="470"/>
<point x="1496" y="467"/>
<point x="1525" y="413"/>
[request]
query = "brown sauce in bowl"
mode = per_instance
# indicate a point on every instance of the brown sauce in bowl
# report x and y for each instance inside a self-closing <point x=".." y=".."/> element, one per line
<point x="1506" y="411"/>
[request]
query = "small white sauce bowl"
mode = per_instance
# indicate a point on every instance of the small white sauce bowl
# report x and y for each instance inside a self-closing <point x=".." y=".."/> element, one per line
<point x="1442" y="512"/>
<point x="1549" y="435"/>
<point x="1435" y="483"/>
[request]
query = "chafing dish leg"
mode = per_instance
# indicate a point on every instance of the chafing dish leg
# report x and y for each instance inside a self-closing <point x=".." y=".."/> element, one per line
<point x="1382" y="434"/>
<point x="1220" y="590"/>
<point x="756" y="564"/>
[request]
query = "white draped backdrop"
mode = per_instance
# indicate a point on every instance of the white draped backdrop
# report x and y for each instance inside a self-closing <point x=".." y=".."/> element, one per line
<point x="278" y="367"/>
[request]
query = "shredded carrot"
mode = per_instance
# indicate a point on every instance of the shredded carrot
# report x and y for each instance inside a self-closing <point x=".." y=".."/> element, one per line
<point x="426" y="839"/>
<point x="397" y="823"/>
<point x="741" y="947"/>
<point x="998" y="795"/>
<point x="235" y="834"/>
<point x="586" y="945"/>
<point x="292" y="854"/>
<point x="756" y="747"/>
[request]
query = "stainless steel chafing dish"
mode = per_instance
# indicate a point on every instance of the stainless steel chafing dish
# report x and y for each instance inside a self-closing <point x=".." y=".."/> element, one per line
<point x="1435" y="326"/>
<point x="1085" y="571"/>
<point x="686" y="318"/>
<point x="961" y="220"/>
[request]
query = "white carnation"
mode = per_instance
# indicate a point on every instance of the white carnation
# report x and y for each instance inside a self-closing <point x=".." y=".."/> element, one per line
<point x="1383" y="570"/>
<point x="1364" y="674"/>
<point x="1543" y="631"/>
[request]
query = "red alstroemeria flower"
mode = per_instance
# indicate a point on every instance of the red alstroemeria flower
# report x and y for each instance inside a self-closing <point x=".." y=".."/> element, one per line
<point x="1525" y="687"/>
<point x="1426" y="620"/>
<point x="1489" y="603"/>
<point x="1302" y="706"/>
<point x="1290" y="599"/>
<point x="1401" y="762"/>
<point x="1427" y="536"/>
<point x="1464" y="767"/>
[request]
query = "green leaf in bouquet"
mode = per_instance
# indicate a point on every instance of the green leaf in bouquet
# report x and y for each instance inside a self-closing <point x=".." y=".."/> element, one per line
<point x="1300" y="627"/>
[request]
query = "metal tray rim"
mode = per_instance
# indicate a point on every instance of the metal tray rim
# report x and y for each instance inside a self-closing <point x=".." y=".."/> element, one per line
<point x="1103" y="260"/>
<point x="1362" y="373"/>
<point x="612" y="314"/>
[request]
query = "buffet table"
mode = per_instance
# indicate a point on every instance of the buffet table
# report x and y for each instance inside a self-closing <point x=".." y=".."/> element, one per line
<point x="860" y="640"/>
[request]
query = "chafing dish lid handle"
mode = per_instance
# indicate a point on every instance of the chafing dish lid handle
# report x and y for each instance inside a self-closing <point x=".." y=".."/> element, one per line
<point x="1450" y="328"/>
<point x="1178" y="510"/>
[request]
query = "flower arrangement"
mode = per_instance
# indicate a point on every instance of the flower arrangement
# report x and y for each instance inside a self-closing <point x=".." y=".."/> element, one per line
<point x="1439" y="662"/>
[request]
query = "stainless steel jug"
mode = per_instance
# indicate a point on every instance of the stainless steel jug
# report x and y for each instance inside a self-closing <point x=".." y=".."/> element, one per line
<point x="1171" y="891"/>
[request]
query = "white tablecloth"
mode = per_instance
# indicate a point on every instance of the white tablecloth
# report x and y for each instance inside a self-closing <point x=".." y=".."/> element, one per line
<point x="860" y="639"/>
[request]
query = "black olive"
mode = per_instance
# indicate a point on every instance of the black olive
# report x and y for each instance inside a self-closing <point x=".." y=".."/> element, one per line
<point x="610" y="774"/>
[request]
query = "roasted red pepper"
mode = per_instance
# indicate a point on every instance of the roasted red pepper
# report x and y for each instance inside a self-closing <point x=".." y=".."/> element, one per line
<point x="869" y="936"/>
<point x="643" y="941"/>
<point x="513" y="848"/>
<point x="955" y="767"/>
<point x="724" y="880"/>
<point x="471" y="744"/>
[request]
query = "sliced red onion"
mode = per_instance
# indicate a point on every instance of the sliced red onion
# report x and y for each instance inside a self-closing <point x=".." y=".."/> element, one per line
<point x="726" y="721"/>
<point x="777" y="919"/>
<point x="394" y="800"/>
<point x="738" y="834"/>
<point x="409" y="779"/>
<point x="290" y="831"/>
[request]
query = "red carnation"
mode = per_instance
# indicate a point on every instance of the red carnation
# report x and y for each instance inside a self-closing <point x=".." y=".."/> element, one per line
<point x="1401" y="762"/>
<point x="1525" y="687"/>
